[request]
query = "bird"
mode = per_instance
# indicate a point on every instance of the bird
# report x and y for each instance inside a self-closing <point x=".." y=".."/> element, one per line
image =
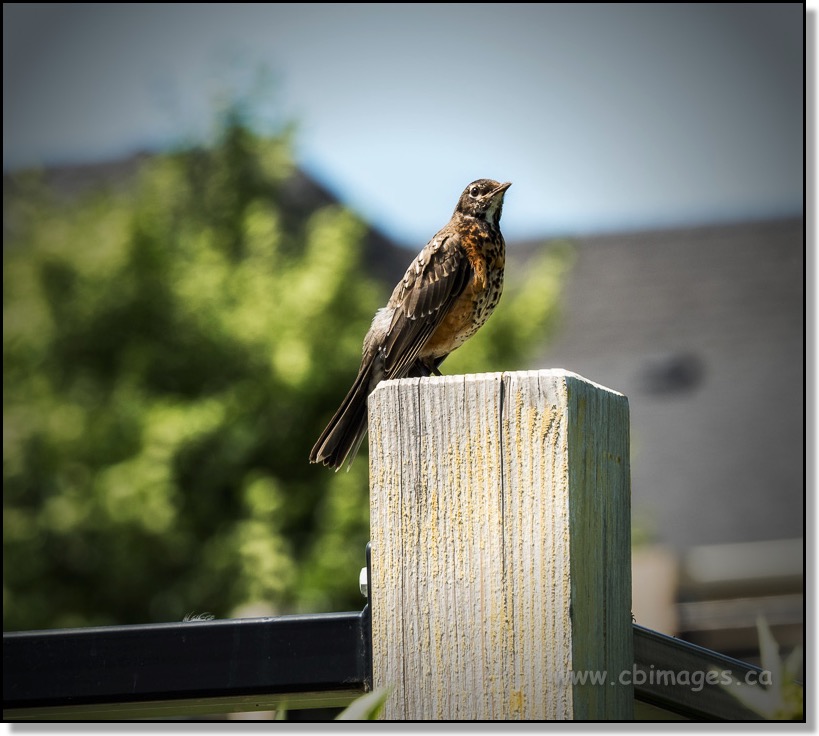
<point x="448" y="292"/>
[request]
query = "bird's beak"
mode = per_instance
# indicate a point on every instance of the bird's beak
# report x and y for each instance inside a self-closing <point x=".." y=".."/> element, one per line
<point x="501" y="189"/>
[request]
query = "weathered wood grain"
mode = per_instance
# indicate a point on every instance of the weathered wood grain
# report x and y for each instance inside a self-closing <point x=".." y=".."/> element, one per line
<point x="500" y="526"/>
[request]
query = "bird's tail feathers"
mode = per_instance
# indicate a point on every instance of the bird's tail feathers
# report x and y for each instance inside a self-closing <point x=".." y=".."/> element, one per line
<point x="343" y="436"/>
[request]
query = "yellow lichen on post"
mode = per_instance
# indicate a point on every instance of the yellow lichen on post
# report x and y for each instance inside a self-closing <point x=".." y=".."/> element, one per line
<point x="500" y="537"/>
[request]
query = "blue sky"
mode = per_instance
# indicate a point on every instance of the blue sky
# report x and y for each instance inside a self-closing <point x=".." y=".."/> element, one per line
<point x="604" y="117"/>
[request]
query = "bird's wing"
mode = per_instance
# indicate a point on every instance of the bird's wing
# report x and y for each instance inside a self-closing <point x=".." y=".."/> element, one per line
<point x="434" y="280"/>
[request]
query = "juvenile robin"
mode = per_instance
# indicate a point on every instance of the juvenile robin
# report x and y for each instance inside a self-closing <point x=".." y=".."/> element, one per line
<point x="447" y="293"/>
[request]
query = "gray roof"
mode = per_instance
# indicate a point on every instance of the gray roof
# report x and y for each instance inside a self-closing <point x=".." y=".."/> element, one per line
<point x="703" y="330"/>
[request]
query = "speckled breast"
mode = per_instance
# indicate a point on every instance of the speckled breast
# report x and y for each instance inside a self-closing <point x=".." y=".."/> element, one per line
<point x="478" y="300"/>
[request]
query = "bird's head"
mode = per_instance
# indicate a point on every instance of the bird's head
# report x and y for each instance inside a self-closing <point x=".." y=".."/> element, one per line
<point x="483" y="199"/>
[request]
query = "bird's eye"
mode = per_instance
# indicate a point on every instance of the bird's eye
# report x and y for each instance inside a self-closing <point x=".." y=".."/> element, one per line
<point x="475" y="191"/>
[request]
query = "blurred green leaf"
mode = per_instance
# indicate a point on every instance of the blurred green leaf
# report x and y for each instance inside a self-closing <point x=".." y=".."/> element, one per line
<point x="367" y="707"/>
<point x="776" y="696"/>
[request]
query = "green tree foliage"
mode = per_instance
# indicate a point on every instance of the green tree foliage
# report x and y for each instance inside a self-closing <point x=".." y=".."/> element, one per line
<point x="171" y="353"/>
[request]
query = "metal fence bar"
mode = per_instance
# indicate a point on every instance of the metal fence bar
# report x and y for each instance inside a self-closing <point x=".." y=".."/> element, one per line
<point x="187" y="668"/>
<point x="309" y="661"/>
<point x="685" y="679"/>
<point x="163" y="670"/>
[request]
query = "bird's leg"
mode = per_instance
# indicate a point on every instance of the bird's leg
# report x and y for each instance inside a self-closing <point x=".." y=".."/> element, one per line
<point x="429" y="366"/>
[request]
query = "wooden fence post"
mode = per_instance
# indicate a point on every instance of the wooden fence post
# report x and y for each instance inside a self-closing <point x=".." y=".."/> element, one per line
<point x="500" y="529"/>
